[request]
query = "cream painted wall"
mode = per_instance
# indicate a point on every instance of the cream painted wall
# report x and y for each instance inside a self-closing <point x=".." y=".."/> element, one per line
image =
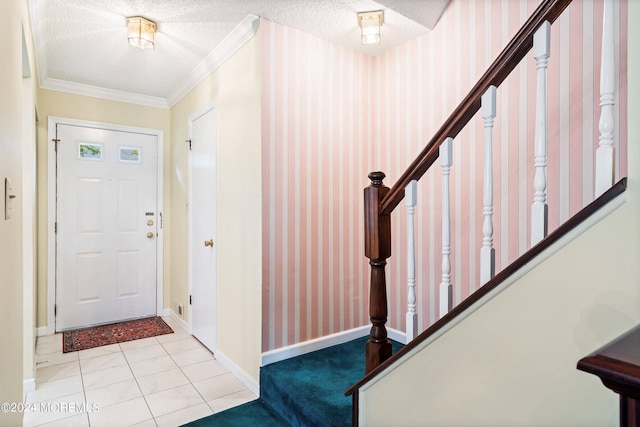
<point x="29" y="213"/>
<point x="13" y="145"/>
<point x="513" y="361"/>
<point x="236" y="87"/>
<point x="66" y="105"/>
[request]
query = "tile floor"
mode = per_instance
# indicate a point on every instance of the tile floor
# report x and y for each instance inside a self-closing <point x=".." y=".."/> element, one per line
<point x="161" y="381"/>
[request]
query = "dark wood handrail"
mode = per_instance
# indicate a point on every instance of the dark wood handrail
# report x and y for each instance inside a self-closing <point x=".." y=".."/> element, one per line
<point x="518" y="47"/>
<point x="618" y="366"/>
<point x="552" y="238"/>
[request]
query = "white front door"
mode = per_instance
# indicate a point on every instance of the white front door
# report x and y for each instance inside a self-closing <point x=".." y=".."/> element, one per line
<point x="106" y="226"/>
<point x="202" y="211"/>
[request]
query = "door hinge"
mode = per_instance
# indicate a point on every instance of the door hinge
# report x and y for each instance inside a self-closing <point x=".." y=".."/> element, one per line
<point x="55" y="309"/>
<point x="189" y="141"/>
<point x="55" y="141"/>
<point x="190" y="300"/>
<point x="55" y="227"/>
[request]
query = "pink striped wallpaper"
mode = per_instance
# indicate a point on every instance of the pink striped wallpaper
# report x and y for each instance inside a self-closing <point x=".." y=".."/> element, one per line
<point x="331" y="115"/>
<point x="316" y="116"/>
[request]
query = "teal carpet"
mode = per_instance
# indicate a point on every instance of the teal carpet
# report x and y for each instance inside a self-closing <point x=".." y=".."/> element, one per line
<point x="306" y="390"/>
<point x="255" y="413"/>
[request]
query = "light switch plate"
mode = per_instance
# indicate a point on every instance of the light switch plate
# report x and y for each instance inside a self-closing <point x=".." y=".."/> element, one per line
<point x="8" y="198"/>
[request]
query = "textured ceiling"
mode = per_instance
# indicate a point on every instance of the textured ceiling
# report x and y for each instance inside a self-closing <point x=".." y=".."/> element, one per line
<point x="83" y="43"/>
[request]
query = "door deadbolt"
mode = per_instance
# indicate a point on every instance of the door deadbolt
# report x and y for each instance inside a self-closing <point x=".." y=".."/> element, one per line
<point x="150" y="222"/>
<point x="150" y="235"/>
<point x="208" y="242"/>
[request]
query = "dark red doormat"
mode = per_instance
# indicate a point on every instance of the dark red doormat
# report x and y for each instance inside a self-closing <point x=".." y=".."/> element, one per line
<point x="96" y="336"/>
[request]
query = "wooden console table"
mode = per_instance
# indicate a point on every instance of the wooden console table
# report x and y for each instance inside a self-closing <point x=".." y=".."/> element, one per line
<point x="618" y="366"/>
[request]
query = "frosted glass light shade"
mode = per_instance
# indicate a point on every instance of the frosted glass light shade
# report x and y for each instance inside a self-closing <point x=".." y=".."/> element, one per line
<point x="370" y="23"/>
<point x="141" y="32"/>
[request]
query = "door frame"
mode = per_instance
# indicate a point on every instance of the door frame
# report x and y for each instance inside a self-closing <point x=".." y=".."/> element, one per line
<point x="193" y="117"/>
<point x="52" y="183"/>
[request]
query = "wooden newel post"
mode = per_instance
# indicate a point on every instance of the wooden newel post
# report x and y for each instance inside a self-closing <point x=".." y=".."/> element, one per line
<point x="377" y="247"/>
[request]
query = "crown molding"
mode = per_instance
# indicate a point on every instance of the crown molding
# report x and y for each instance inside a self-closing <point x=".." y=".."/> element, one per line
<point x="241" y="34"/>
<point x="100" y="92"/>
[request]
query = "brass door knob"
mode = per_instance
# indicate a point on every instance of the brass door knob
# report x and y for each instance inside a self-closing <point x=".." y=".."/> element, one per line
<point x="208" y="242"/>
<point x="150" y="235"/>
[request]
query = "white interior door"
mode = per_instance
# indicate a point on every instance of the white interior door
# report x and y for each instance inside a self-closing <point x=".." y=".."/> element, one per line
<point x="106" y="226"/>
<point x="203" y="247"/>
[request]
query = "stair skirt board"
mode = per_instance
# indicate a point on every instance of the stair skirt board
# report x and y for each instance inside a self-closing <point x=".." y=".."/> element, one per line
<point x="310" y="346"/>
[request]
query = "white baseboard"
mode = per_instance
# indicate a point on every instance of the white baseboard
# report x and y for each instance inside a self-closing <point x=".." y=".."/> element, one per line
<point x="28" y="386"/>
<point x="396" y="335"/>
<point x="245" y="378"/>
<point x="310" y="346"/>
<point x="174" y="316"/>
<point x="238" y="372"/>
<point x="288" y="352"/>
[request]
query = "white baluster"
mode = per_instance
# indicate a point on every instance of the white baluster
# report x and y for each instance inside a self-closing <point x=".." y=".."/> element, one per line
<point x="487" y="253"/>
<point x="446" y="290"/>
<point x="539" y="208"/>
<point x="604" y="153"/>
<point x="410" y="197"/>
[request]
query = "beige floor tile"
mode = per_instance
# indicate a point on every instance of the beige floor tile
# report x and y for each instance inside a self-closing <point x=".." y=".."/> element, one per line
<point x="113" y="393"/>
<point x="50" y="359"/>
<point x="204" y="370"/>
<point x="99" y="351"/>
<point x="55" y="388"/>
<point x="154" y="383"/>
<point x="184" y="416"/>
<point x="104" y="377"/>
<point x="147" y="423"/>
<point x="121" y="414"/>
<point x="182" y="345"/>
<point x="144" y="353"/>
<point x="216" y="387"/>
<point x="54" y="409"/>
<point x="54" y="346"/>
<point x="102" y="362"/>
<point x="132" y="345"/>
<point x="46" y="339"/>
<point x="174" y="399"/>
<point x="81" y="420"/>
<point x="152" y="366"/>
<point x="173" y="377"/>
<point x="170" y="320"/>
<point x="189" y="357"/>
<point x="175" y="326"/>
<point x="231" y="400"/>
<point x="175" y="336"/>
<point x="56" y="372"/>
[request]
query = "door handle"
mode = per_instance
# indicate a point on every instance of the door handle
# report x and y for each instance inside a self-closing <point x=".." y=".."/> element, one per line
<point x="208" y="242"/>
<point x="150" y="235"/>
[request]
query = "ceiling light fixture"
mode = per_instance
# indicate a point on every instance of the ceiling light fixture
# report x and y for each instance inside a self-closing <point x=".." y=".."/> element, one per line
<point x="370" y="23"/>
<point x="141" y="32"/>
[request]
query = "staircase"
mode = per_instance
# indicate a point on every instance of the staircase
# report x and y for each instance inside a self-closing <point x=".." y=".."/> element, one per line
<point x="487" y="361"/>
<point x="473" y="349"/>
